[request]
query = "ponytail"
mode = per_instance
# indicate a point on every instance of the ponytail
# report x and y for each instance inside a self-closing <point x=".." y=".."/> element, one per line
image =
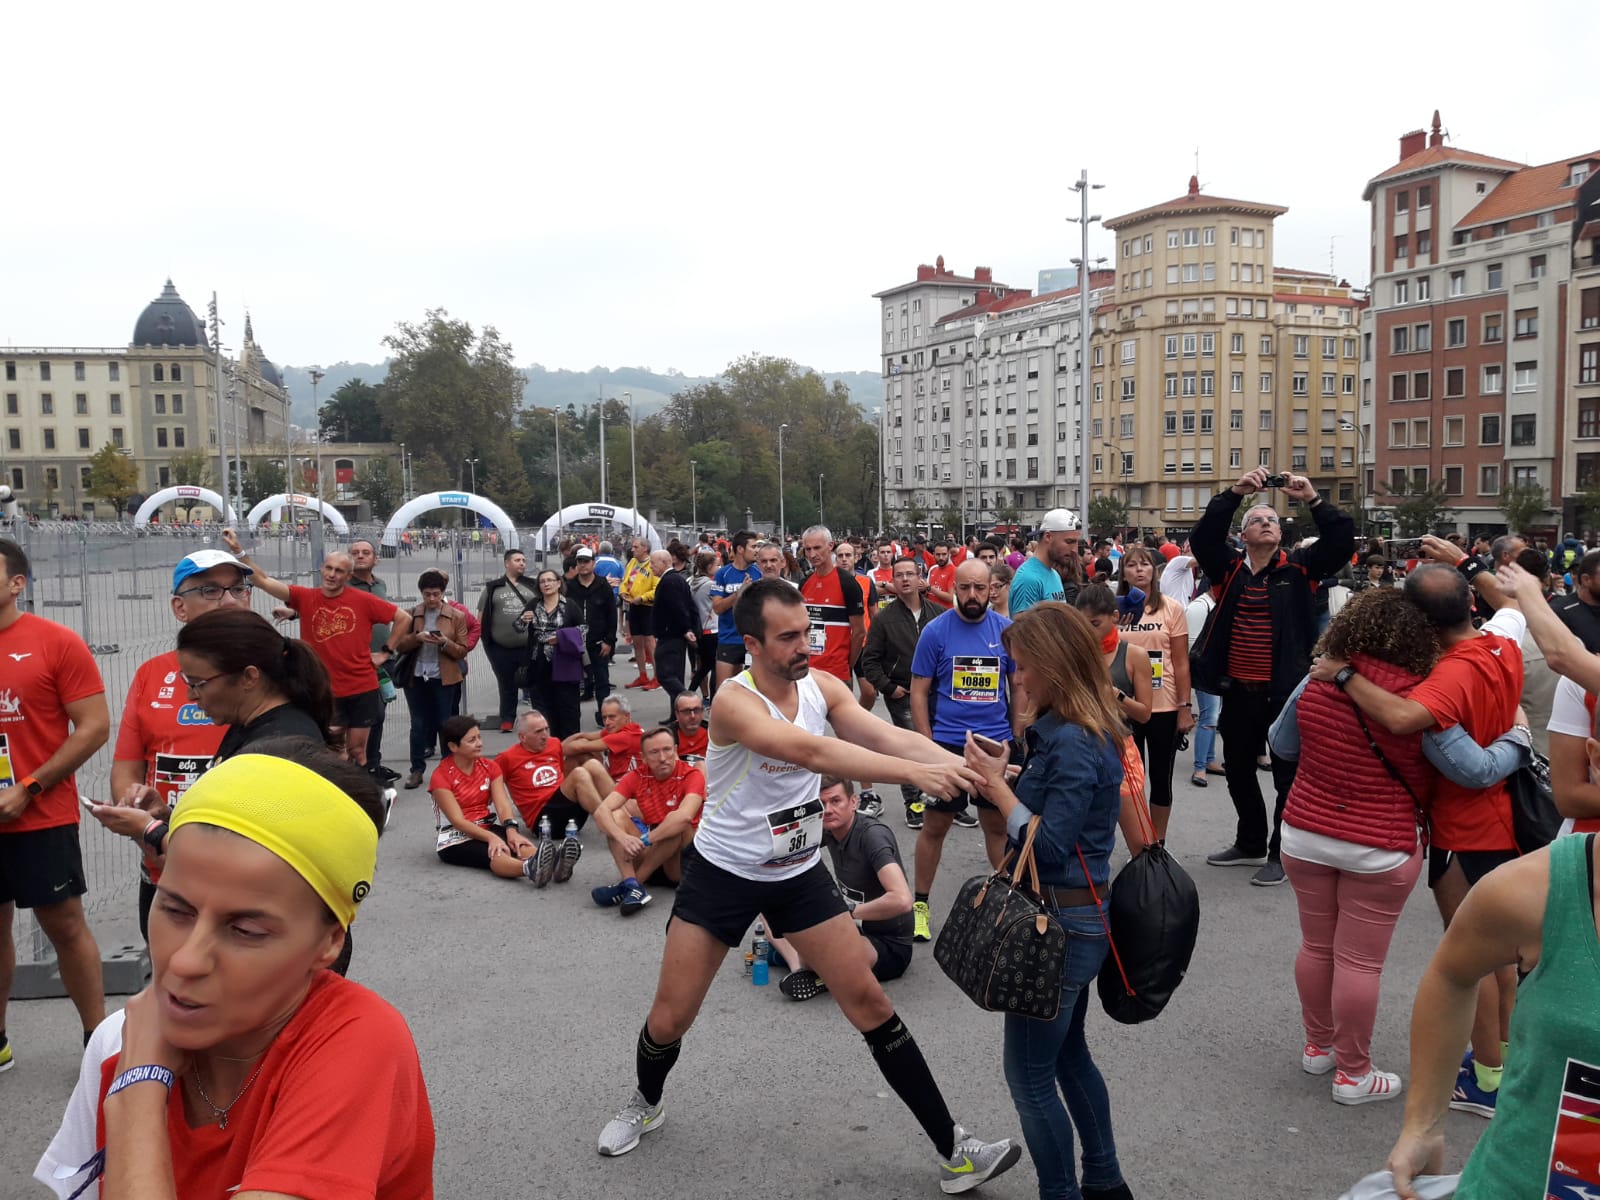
<point x="232" y="639"/>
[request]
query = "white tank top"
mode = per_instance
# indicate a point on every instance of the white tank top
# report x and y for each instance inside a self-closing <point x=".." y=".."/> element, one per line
<point x="763" y="815"/>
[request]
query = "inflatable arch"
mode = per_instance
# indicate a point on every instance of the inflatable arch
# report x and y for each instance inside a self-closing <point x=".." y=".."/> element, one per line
<point x="414" y="507"/>
<point x="184" y="492"/>
<point x="273" y="507"/>
<point x="572" y="514"/>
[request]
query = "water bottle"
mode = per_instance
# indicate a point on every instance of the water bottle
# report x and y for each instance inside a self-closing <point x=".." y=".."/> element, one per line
<point x="758" y="957"/>
<point x="572" y="829"/>
<point x="544" y="828"/>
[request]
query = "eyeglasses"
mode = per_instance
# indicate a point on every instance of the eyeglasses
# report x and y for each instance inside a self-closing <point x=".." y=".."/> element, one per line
<point x="693" y="708"/>
<point x="213" y="591"/>
<point x="194" y="685"/>
<point x="1262" y="521"/>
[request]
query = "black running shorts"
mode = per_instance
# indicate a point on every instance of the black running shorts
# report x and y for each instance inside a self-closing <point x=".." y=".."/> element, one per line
<point x="732" y="653"/>
<point x="41" y="867"/>
<point x="1475" y="864"/>
<point x="957" y="803"/>
<point x="361" y="711"/>
<point x="893" y="957"/>
<point x="641" y="620"/>
<point x="724" y="904"/>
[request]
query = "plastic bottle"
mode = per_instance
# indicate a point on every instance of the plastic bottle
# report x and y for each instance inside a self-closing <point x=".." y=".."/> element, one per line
<point x="572" y="828"/>
<point x="758" y="953"/>
<point x="544" y="828"/>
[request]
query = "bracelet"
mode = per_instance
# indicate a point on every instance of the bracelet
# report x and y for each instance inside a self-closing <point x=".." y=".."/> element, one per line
<point x="146" y="1074"/>
<point x="1471" y="567"/>
<point x="154" y="834"/>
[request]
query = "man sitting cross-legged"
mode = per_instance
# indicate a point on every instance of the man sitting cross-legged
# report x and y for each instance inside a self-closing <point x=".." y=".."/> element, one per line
<point x="541" y="784"/>
<point x="648" y="819"/>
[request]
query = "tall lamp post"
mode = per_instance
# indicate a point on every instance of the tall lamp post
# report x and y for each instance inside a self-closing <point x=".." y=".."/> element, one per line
<point x="603" y="499"/>
<point x="782" y="524"/>
<point x="633" y="455"/>
<point x="1083" y="187"/>
<point x="878" y="412"/>
<point x="405" y="493"/>
<point x="559" y="506"/>
<point x="1361" y="472"/>
<point x="316" y="374"/>
<point x="820" y="477"/>
<point x="694" y="499"/>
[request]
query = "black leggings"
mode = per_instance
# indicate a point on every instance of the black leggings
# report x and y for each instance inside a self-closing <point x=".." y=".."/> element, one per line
<point x="1157" y="740"/>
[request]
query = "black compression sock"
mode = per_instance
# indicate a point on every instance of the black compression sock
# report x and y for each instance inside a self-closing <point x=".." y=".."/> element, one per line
<point x="920" y="897"/>
<point x="907" y="1071"/>
<point x="653" y="1062"/>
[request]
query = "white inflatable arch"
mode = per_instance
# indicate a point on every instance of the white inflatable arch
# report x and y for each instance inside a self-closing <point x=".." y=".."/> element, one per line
<point x="574" y="514"/>
<point x="184" y="492"/>
<point x="415" y="507"/>
<point x="273" y="506"/>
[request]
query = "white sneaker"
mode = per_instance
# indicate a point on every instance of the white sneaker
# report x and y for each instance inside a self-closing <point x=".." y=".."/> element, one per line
<point x="637" y="1118"/>
<point x="1374" y="1085"/>
<point x="1316" y="1060"/>
<point x="975" y="1161"/>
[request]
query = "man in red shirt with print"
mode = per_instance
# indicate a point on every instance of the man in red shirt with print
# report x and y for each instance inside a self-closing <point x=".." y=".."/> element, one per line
<point x="1477" y="684"/>
<point x="835" y="605"/>
<point x="942" y="577"/>
<point x="540" y="784"/>
<point x="648" y="819"/>
<point x="337" y="620"/>
<point x="53" y="716"/>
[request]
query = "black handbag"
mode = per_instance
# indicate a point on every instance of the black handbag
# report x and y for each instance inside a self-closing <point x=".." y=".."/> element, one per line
<point x="402" y="669"/>
<point x="1001" y="945"/>
<point x="1535" y="821"/>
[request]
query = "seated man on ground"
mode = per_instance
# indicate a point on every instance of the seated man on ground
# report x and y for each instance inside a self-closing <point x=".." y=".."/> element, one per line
<point x="866" y="863"/>
<point x="648" y="819"/>
<point x="539" y="783"/>
<point x="615" y="745"/>
<point x="477" y="822"/>
<point x="688" y="724"/>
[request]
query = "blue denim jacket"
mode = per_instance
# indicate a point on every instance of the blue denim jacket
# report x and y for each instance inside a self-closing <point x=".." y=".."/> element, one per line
<point x="1073" y="780"/>
<point x="1452" y="751"/>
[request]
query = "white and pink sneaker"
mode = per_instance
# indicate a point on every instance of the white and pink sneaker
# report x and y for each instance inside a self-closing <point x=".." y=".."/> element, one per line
<point x="1316" y="1060"/>
<point x="1363" y="1089"/>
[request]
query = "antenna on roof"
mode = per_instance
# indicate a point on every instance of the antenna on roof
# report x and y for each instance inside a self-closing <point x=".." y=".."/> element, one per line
<point x="1332" y="273"/>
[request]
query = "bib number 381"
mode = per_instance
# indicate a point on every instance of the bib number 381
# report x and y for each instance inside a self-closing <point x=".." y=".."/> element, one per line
<point x="796" y="833"/>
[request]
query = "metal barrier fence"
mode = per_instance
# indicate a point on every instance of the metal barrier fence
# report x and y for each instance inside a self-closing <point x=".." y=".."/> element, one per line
<point x="112" y="584"/>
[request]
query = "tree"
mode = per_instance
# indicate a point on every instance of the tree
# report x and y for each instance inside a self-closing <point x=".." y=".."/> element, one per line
<point x="354" y="413"/>
<point x="1522" y="503"/>
<point x="263" y="477"/>
<point x="1009" y="515"/>
<point x="916" y="516"/>
<point x="952" y="519"/>
<point x="1107" y="515"/>
<point x="1418" y="508"/>
<point x="377" y="481"/>
<point x="190" y="468"/>
<point x="113" y="477"/>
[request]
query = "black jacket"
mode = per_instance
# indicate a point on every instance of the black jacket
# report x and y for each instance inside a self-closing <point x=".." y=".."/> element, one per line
<point x="891" y="644"/>
<point x="1292" y="579"/>
<point x="597" y="606"/>
<point x="676" y="613"/>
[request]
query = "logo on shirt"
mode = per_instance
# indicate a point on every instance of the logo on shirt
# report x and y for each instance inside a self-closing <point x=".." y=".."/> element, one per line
<point x="10" y="705"/>
<point x="544" y="775"/>
<point x="193" y="714"/>
<point x="330" y="623"/>
<point x="23" y="655"/>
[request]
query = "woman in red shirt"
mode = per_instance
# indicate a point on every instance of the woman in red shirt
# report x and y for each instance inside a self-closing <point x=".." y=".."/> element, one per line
<point x="246" y="1068"/>
<point x="477" y="820"/>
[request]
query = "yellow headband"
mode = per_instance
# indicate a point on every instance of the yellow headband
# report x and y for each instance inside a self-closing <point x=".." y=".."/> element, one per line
<point x="298" y="815"/>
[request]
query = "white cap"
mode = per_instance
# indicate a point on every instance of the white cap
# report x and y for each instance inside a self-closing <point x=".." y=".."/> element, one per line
<point x="1058" y="520"/>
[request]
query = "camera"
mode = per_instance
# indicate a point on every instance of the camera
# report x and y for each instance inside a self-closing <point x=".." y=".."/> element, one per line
<point x="1276" y="481"/>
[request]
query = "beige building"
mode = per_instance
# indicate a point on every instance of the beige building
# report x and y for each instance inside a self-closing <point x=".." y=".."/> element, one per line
<point x="1209" y="360"/>
<point x="154" y="398"/>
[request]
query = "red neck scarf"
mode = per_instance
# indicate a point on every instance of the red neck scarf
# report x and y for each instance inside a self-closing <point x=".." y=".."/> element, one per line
<point x="1108" y="644"/>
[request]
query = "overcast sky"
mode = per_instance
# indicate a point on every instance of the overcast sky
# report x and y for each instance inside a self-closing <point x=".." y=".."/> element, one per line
<point x="676" y="185"/>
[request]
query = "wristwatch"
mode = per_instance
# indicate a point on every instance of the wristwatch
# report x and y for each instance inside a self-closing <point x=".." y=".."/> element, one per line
<point x="1345" y="675"/>
<point x="31" y="785"/>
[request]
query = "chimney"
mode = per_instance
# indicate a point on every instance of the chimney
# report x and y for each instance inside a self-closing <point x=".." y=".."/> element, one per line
<point x="1412" y="143"/>
<point x="984" y="296"/>
<point x="938" y="264"/>
<point x="924" y="271"/>
<point x="983" y="274"/>
<point x="1194" y="186"/>
<point x="1437" y="137"/>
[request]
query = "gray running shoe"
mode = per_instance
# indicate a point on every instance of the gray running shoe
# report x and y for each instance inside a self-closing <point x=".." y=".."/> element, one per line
<point x="974" y="1162"/>
<point x="637" y="1118"/>
<point x="544" y="862"/>
<point x="571" y="852"/>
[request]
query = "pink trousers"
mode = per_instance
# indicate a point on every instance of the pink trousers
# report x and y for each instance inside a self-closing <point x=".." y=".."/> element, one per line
<point x="1346" y="923"/>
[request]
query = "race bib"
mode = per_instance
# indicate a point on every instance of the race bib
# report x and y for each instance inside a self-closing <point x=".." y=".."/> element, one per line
<point x="1157" y="667"/>
<point x="975" y="679"/>
<point x="796" y="833"/>
<point x="175" y="772"/>
<point x="7" y="775"/>
<point x="1573" y="1150"/>
<point x="817" y="633"/>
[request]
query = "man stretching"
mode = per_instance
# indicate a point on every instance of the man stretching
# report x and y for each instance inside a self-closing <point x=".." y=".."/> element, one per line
<point x="757" y="852"/>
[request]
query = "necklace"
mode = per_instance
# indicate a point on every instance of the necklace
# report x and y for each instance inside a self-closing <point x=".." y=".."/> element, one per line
<point x="222" y="1113"/>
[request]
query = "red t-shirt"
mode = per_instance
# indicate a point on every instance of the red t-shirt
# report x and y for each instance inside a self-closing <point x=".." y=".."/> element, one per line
<point x="943" y="578"/>
<point x="532" y="778"/>
<point x="658" y="797"/>
<point x="883" y="577"/>
<point x="340" y="631"/>
<point x="1476" y="684"/>
<point x="43" y="668"/>
<point x="174" y="738"/>
<point x="622" y="749"/>
<point x="692" y="745"/>
<point x="340" y="1108"/>
<point x="831" y="600"/>
<point x="472" y="791"/>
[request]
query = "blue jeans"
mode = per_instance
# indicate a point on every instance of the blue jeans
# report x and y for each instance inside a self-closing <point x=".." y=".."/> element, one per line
<point x="1045" y="1060"/>
<point x="432" y="703"/>
<point x="1208" y="705"/>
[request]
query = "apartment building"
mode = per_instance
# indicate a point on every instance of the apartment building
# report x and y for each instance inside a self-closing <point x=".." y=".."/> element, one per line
<point x="1209" y="360"/>
<point x="1472" y="346"/>
<point x="153" y="398"/>
<point x="980" y="397"/>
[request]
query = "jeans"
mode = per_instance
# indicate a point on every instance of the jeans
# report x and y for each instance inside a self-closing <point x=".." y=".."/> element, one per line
<point x="598" y="674"/>
<point x="1246" y="717"/>
<point x="1205" y="728"/>
<point x="431" y="704"/>
<point x="504" y="661"/>
<point x="1046" y="1060"/>
<point x="900" y="714"/>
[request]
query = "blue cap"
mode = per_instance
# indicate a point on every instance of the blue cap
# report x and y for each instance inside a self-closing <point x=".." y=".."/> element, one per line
<point x="202" y="561"/>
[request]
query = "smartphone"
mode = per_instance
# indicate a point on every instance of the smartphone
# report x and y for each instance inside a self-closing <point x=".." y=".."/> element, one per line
<point x="87" y="803"/>
<point x="1407" y="549"/>
<point x="989" y="746"/>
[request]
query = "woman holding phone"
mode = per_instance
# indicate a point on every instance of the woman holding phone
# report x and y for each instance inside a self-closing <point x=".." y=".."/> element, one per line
<point x="438" y="638"/>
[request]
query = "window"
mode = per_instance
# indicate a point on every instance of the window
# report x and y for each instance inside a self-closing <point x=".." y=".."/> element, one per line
<point x="1172" y="274"/>
<point x="1402" y="246"/>
<point x="1347" y="385"/>
<point x="1302" y="346"/>
<point x="1170" y="426"/>
<point x="1400" y="339"/>
<point x="161" y="436"/>
<point x="83" y="439"/>
<point x="1494" y="327"/>
<point x="1208" y="383"/>
<point x="1421" y="386"/>
<point x="11" y="368"/>
<point x="78" y="372"/>
<point x="1300" y="421"/>
<point x="1494" y="379"/>
<point x="1264" y="458"/>
<point x="1208" y="345"/>
<point x="52" y="477"/>
<point x="13" y="402"/>
<point x="161" y="403"/>
<point x="1266" y="420"/>
<point x="177" y="437"/>
<point x="1128" y="388"/>
<point x="1397" y="434"/>
<point x="1326" y="460"/>
<point x="1171" y="346"/>
<point x="1526" y="377"/>
<point x="1525" y="323"/>
<point x="1399" y="387"/>
<point x="1424" y="282"/>
<point x="1188" y="422"/>
<point x="1236" y="342"/>
<point x="44" y="372"/>
<point x="1266" y="345"/>
<point x="1455" y="332"/>
<point x="1455" y="431"/>
<point x="1422" y="337"/>
<point x="1455" y="382"/>
<point x="1402" y="202"/>
<point x="1236" y="382"/>
<point x="14" y="439"/>
<point x="1129" y="349"/>
<point x="1328" y="383"/>
<point x="1489" y="429"/>
<point x="1525" y="476"/>
<point x="1188" y="383"/>
<point x="1402" y="291"/>
<point x="1489" y="480"/>
<point x="1495" y="277"/>
<point x="1191" y="236"/>
<point x="159" y="373"/>
<point x="1589" y="363"/>
<point x="49" y="439"/>
<point x="1349" y="347"/>
<point x="1127" y="426"/>
<point x="1524" y="429"/>
<point x="1236" y="418"/>
<point x="1589" y="417"/>
<point x="1452" y="481"/>
<point x="1171" y="382"/>
<point x="116" y="437"/>
<point x="115" y="401"/>
<point x="1589" y="309"/>
<point x="1191" y="272"/>
<point x="1266" y="383"/>
<point x="1208" y="421"/>
<point x="1301" y="383"/>
<point x="1458" y="283"/>
<point x="1536" y="266"/>
<point x="1330" y="347"/>
<point x="1189" y="343"/>
<point x="1235" y="458"/>
<point x="1208" y="236"/>
<point x="1424" y="246"/>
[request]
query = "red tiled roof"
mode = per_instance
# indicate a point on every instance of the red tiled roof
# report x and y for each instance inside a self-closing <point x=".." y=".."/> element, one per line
<point x="1196" y="201"/>
<point x="1530" y="190"/>
<point x="1438" y="156"/>
<point x="1025" y="299"/>
<point x="973" y="310"/>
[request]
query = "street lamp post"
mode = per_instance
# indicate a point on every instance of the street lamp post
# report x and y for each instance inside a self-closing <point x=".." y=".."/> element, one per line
<point x="1361" y="471"/>
<point x="1083" y="187"/>
<point x="694" y="499"/>
<point x="404" y="492"/>
<point x="878" y="412"/>
<point x="316" y="374"/>
<point x="633" y="455"/>
<point x="559" y="506"/>
<point x="820" y="477"/>
<point x="782" y="524"/>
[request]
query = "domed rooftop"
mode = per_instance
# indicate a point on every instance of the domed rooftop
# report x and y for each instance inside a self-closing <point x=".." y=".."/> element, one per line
<point x="168" y="321"/>
<point x="270" y="373"/>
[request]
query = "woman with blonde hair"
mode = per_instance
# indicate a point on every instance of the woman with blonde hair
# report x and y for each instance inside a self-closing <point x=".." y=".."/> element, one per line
<point x="1071" y="781"/>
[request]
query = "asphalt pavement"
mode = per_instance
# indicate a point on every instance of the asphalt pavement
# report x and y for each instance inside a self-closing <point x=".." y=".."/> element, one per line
<point x="525" y="1006"/>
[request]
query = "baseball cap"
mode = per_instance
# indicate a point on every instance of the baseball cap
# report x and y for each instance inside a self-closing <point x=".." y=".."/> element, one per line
<point x="202" y="561"/>
<point x="583" y="552"/>
<point x="1058" y="520"/>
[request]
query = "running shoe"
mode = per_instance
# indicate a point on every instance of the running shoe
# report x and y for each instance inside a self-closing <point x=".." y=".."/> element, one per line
<point x="868" y="804"/>
<point x="975" y="1161"/>
<point x="804" y="984"/>
<point x="1269" y="874"/>
<point x="965" y="819"/>
<point x="571" y="851"/>
<point x="914" y="812"/>
<point x="1316" y="1060"/>
<point x="633" y="899"/>
<point x="505" y="726"/>
<point x="639" y="682"/>
<point x="637" y="1118"/>
<point x="1364" y="1089"/>
<point x="1468" y="1097"/>
<point x="919" y="922"/>
<point x="653" y="685"/>
<point x="1232" y="856"/>
<point x="7" y="1061"/>
<point x="544" y="862"/>
<point x="607" y="895"/>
